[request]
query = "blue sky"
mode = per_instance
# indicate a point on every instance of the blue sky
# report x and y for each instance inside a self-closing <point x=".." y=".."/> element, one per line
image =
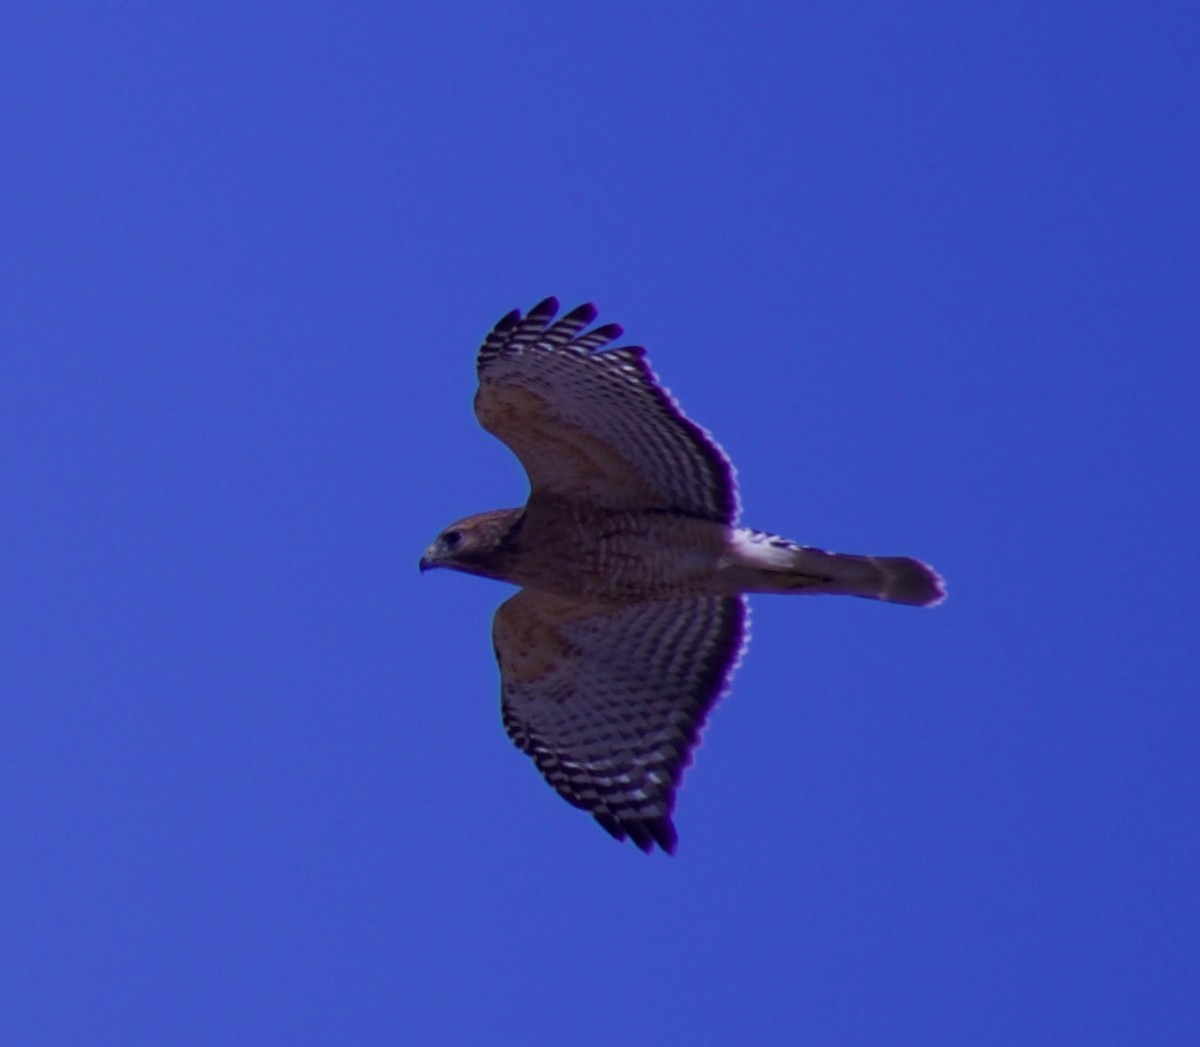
<point x="929" y="274"/>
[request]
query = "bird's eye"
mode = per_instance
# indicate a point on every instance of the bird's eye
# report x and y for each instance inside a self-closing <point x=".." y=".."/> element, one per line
<point x="452" y="540"/>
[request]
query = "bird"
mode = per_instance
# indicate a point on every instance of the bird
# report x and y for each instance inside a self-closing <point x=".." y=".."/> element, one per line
<point x="632" y="568"/>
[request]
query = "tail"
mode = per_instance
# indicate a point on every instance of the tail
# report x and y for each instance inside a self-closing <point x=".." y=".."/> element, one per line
<point x="779" y="566"/>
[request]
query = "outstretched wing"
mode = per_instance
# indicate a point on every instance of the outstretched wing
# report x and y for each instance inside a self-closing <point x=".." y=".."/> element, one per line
<point x="609" y="699"/>
<point x="593" y="425"/>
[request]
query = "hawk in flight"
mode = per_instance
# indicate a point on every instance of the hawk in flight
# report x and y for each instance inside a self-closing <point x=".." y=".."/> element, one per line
<point x="631" y="615"/>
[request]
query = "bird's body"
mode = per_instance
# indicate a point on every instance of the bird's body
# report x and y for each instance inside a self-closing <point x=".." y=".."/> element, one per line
<point x="654" y="555"/>
<point x="633" y="570"/>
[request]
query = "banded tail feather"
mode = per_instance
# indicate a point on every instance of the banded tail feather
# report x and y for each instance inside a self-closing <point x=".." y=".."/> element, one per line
<point x="776" y="565"/>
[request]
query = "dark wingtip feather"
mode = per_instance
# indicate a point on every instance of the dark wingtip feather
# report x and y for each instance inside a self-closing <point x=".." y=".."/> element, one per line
<point x="663" y="830"/>
<point x="610" y="825"/>
<point x="507" y="322"/>
<point x="546" y="309"/>
<point x="644" y="832"/>
<point x="607" y="331"/>
<point x="584" y="314"/>
<point x="640" y="835"/>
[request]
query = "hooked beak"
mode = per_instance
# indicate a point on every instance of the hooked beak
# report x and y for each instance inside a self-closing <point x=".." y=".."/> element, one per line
<point x="428" y="561"/>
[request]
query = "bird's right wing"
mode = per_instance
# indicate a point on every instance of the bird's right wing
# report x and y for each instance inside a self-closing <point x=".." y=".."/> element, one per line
<point x="609" y="699"/>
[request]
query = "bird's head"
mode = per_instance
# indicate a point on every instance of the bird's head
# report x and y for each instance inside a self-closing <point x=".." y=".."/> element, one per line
<point x="476" y="544"/>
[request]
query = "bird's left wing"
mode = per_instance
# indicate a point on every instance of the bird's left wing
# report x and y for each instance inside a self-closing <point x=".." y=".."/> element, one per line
<point x="591" y="424"/>
<point x="609" y="699"/>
